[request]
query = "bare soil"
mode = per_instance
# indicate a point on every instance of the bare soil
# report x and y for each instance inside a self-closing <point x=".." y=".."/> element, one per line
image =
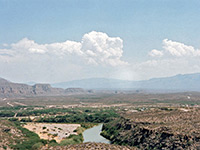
<point x="52" y="131"/>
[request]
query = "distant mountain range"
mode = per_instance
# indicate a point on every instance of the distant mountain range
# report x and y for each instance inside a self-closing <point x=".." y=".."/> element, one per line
<point x="185" y="82"/>
<point x="10" y="89"/>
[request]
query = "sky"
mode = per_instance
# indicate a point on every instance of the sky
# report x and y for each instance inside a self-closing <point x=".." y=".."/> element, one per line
<point x="62" y="40"/>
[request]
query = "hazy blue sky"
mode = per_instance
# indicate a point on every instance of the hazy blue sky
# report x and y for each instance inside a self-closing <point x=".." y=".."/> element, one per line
<point x="61" y="40"/>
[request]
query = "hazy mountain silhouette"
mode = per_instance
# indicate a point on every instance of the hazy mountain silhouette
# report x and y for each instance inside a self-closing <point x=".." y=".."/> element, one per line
<point x="185" y="82"/>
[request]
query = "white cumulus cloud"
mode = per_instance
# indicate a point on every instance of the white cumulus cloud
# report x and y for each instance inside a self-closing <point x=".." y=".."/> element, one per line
<point x="99" y="48"/>
<point x="95" y="48"/>
<point x="174" y="58"/>
<point x="175" y="49"/>
<point x="156" y="53"/>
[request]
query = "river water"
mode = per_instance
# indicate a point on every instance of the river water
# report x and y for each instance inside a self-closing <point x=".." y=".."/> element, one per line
<point x="93" y="135"/>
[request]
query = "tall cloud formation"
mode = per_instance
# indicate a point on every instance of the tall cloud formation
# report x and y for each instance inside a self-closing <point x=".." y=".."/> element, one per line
<point x="95" y="48"/>
<point x="27" y="60"/>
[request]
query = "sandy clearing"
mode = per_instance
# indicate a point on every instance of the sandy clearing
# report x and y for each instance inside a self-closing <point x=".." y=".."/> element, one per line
<point x="50" y="131"/>
<point x="21" y="104"/>
<point x="183" y="109"/>
<point x="10" y="104"/>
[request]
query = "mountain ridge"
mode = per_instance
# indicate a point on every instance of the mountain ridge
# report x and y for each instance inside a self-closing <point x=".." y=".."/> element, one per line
<point x="182" y="82"/>
<point x="10" y="89"/>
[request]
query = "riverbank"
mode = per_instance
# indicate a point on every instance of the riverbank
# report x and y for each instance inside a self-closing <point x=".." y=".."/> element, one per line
<point x="94" y="135"/>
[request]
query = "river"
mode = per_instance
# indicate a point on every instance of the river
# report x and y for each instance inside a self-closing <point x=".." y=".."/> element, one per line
<point x="93" y="135"/>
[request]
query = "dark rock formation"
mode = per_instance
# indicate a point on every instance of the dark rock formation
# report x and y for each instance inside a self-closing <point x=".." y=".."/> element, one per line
<point x="127" y="132"/>
<point x="10" y="89"/>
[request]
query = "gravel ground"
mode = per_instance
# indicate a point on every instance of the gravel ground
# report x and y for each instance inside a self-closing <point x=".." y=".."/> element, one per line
<point x="51" y="131"/>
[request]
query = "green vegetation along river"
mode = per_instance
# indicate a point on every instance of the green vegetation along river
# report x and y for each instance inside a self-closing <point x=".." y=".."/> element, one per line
<point x="93" y="135"/>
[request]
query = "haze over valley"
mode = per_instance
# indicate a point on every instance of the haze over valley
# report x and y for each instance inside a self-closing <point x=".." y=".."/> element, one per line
<point x="99" y="75"/>
<point x="181" y="82"/>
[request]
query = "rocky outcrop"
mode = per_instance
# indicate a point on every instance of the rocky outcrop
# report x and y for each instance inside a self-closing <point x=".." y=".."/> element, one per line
<point x="10" y="89"/>
<point x="126" y="132"/>
<point x="90" y="146"/>
<point x="46" y="89"/>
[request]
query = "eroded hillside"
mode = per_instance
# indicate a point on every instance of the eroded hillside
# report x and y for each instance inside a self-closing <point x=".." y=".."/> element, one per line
<point x="9" y="134"/>
<point x="9" y="89"/>
<point x="163" y="128"/>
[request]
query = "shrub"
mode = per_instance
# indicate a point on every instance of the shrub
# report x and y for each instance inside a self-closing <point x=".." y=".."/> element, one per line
<point x="37" y="146"/>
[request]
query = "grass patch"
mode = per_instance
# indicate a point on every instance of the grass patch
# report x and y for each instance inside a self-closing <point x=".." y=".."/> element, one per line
<point x="72" y="139"/>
